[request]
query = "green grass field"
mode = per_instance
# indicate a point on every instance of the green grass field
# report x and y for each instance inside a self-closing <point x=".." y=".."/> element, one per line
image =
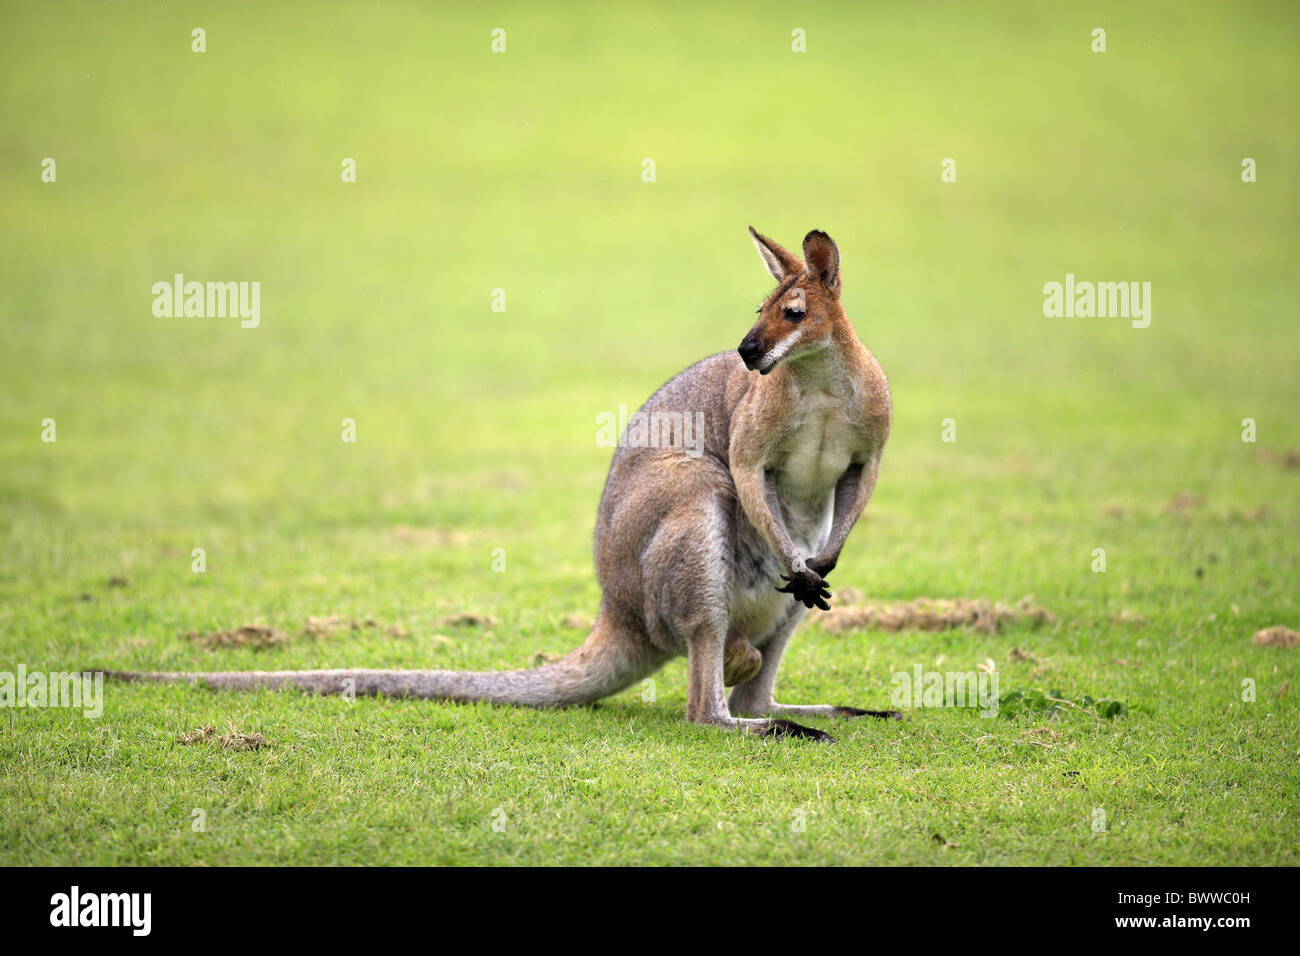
<point x="475" y="428"/>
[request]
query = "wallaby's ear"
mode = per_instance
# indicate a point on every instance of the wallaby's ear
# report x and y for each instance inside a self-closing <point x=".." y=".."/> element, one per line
<point x="823" y="258"/>
<point x="779" y="262"/>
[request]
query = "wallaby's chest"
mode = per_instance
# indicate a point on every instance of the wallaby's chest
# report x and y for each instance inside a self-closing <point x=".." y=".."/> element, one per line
<point x="820" y="443"/>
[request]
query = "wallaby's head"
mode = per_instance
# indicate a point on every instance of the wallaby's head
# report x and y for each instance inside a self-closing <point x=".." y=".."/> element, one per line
<point x="801" y="316"/>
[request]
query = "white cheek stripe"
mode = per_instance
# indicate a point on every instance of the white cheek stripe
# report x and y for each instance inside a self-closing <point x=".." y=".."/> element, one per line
<point x="782" y="347"/>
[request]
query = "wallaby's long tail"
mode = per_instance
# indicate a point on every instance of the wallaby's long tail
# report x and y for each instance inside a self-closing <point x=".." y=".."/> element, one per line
<point x="607" y="662"/>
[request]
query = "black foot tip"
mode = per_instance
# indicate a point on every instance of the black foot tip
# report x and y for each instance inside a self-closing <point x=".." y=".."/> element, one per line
<point x="859" y="712"/>
<point x="788" y="728"/>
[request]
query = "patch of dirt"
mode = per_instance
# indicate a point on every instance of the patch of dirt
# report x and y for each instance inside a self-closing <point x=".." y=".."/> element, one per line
<point x="439" y="537"/>
<point x="117" y="582"/>
<point x="847" y="595"/>
<point x="325" y="625"/>
<point x="578" y="622"/>
<point x="935" y="614"/>
<point x="1184" y="502"/>
<point x="1290" y="460"/>
<point x="231" y="740"/>
<point x="1113" y="511"/>
<point x="1250" y="515"/>
<point x="1129" y="616"/>
<point x="199" y="736"/>
<point x="1276" y="637"/>
<point x="469" y="619"/>
<point x="256" y="636"/>
<point x="544" y="657"/>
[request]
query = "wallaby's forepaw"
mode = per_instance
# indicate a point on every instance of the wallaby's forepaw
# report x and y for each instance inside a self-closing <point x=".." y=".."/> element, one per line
<point x="808" y="587"/>
<point x="859" y="712"/>
<point x="788" y="728"/>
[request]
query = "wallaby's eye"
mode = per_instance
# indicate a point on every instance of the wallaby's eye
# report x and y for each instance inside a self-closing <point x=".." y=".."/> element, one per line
<point x="794" y="315"/>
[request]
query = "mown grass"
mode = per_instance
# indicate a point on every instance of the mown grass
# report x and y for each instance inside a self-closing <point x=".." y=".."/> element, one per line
<point x="476" y="428"/>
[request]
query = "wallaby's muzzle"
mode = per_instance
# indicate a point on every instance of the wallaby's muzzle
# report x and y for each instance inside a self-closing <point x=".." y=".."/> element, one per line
<point x="750" y="350"/>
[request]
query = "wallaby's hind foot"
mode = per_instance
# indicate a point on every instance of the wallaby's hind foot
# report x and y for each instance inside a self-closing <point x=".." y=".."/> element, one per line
<point x="765" y="727"/>
<point x="706" y="703"/>
<point x="742" y="704"/>
<point x="788" y="728"/>
<point x="859" y="712"/>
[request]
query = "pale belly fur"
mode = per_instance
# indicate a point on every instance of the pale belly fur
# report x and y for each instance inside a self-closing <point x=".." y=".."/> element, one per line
<point x="806" y="489"/>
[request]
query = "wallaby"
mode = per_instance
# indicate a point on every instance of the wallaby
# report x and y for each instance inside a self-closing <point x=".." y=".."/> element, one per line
<point x="692" y="549"/>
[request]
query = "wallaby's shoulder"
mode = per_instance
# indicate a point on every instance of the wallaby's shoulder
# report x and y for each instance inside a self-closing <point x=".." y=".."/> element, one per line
<point x="873" y="400"/>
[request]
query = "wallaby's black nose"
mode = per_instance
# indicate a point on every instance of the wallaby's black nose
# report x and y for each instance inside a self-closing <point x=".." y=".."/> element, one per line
<point x="750" y="350"/>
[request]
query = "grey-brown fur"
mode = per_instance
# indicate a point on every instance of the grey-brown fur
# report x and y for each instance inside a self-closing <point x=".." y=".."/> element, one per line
<point x="691" y="548"/>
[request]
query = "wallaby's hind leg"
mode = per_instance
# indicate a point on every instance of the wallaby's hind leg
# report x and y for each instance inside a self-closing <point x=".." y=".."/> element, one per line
<point x="686" y="575"/>
<point x="755" y="697"/>
<point x="706" y="702"/>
